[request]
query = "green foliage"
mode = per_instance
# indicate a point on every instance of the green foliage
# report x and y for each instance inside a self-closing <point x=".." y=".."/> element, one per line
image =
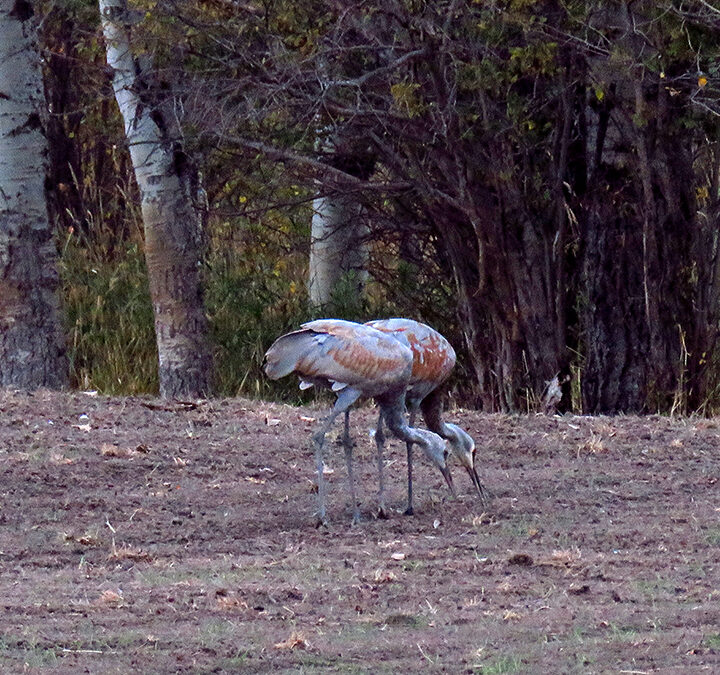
<point x="252" y="298"/>
<point x="347" y="301"/>
<point x="406" y="99"/>
<point x="254" y="293"/>
<point x="108" y="319"/>
<point x="502" y="664"/>
<point x="538" y="59"/>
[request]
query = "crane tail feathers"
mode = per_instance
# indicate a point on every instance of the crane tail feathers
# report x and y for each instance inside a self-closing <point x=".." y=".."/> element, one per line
<point x="283" y="356"/>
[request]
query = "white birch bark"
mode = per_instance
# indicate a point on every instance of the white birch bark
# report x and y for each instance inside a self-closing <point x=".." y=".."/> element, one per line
<point x="172" y="224"/>
<point x="32" y="350"/>
<point x="338" y="250"/>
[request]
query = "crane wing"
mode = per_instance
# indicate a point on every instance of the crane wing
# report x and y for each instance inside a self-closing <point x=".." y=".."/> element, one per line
<point x="341" y="353"/>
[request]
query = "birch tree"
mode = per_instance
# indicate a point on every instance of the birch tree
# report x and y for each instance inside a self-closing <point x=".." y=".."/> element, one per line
<point x="338" y="252"/>
<point x="169" y="188"/>
<point x="339" y="233"/>
<point x="32" y="350"/>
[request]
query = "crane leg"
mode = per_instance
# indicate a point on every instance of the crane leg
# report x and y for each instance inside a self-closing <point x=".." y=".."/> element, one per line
<point x="344" y="401"/>
<point x="380" y="443"/>
<point x="319" y="442"/>
<point x="409" y="511"/>
<point x="347" y="444"/>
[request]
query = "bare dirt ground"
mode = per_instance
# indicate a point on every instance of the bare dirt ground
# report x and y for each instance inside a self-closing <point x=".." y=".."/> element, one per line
<point x="141" y="536"/>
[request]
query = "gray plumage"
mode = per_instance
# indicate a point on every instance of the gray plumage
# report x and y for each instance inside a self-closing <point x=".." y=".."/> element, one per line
<point x="355" y="361"/>
<point x="433" y="360"/>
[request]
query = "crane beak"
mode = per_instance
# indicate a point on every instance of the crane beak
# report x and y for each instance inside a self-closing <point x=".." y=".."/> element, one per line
<point x="482" y="491"/>
<point x="448" y="479"/>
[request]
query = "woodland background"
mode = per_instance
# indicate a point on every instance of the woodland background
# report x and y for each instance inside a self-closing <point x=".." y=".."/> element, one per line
<point x="539" y="180"/>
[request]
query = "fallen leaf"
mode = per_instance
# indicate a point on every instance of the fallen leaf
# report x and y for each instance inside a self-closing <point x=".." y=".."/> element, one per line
<point x="123" y="552"/>
<point x="510" y="615"/>
<point x="84" y="540"/>
<point x="229" y="602"/>
<point x="562" y="558"/>
<point x="109" y="450"/>
<point x="383" y="576"/>
<point x="109" y="597"/>
<point x="482" y="519"/>
<point x="295" y="641"/>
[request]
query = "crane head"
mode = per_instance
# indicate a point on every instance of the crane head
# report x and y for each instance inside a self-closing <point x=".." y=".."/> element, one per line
<point x="436" y="449"/>
<point x="463" y="447"/>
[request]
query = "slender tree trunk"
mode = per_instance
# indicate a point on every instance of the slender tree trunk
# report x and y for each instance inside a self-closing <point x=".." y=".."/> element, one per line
<point x="338" y="253"/>
<point x="339" y="230"/>
<point x="703" y="343"/>
<point x="32" y="350"/>
<point x="172" y="218"/>
<point x="528" y="351"/>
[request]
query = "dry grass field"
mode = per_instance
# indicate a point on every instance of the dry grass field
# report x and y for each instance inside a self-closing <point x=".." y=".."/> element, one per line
<point x="143" y="536"/>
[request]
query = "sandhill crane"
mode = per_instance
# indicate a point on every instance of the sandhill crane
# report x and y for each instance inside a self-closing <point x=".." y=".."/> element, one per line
<point x="355" y="361"/>
<point x="433" y="360"/>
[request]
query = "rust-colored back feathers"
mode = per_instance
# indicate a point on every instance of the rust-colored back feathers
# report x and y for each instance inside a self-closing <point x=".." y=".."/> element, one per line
<point x="433" y="356"/>
<point x="337" y="353"/>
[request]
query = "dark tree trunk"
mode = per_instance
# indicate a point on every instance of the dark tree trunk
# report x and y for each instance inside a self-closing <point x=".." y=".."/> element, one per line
<point x="638" y="321"/>
<point x="612" y="311"/>
<point x="702" y="343"/>
<point x="505" y="282"/>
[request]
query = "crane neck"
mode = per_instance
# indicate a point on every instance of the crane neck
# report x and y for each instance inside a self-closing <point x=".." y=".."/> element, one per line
<point x="431" y="407"/>
<point x="394" y="416"/>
